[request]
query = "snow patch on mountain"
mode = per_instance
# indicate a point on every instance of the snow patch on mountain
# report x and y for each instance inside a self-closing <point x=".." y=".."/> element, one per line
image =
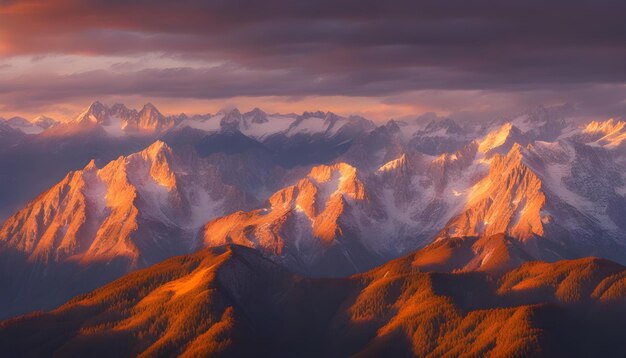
<point x="275" y="124"/>
<point x="609" y="133"/>
<point x="308" y="125"/>
<point x="25" y="126"/>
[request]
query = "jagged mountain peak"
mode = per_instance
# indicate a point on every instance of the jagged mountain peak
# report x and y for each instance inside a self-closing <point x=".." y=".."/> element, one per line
<point x="256" y="111"/>
<point x="120" y="113"/>
<point x="235" y="120"/>
<point x="17" y="120"/>
<point x="557" y="198"/>
<point x="604" y="127"/>
<point x="150" y="107"/>
<point x="229" y="109"/>
<point x="609" y="133"/>
<point x="119" y="107"/>
<point x="133" y="212"/>
<point x="150" y="112"/>
<point x="45" y="122"/>
<point x="343" y="177"/>
<point x="38" y="124"/>
<point x="156" y="149"/>
<point x="96" y="112"/>
<point x="256" y="116"/>
<point x="335" y="217"/>
<point x="508" y="200"/>
<point x="440" y="135"/>
<point x="330" y="116"/>
<point x="160" y="157"/>
<point x="543" y="123"/>
<point x="143" y="184"/>
<point x="316" y="114"/>
<point x="393" y="126"/>
<point x="119" y="120"/>
<point x="398" y="164"/>
<point x="449" y="125"/>
<point x="516" y="152"/>
<point x="96" y="106"/>
<point x="232" y="120"/>
<point x="502" y="139"/>
<point x="90" y="166"/>
<point x="299" y="223"/>
<point x="150" y="118"/>
<point x="323" y="173"/>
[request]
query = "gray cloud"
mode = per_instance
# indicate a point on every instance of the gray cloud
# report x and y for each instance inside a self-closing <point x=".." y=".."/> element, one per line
<point x="557" y="50"/>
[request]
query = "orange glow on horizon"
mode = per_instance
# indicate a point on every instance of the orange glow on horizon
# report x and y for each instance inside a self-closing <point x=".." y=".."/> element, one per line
<point x="370" y="108"/>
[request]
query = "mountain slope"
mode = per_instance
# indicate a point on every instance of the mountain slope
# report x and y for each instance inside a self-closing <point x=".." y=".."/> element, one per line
<point x="563" y="194"/>
<point x="501" y="199"/>
<point x="440" y="136"/>
<point x="37" y="162"/>
<point x="558" y="200"/>
<point x="302" y="226"/>
<point x="337" y="220"/>
<point x="133" y="212"/>
<point x="118" y="120"/>
<point x="9" y="136"/>
<point x="230" y="301"/>
<point x="25" y="126"/>
<point x="33" y="163"/>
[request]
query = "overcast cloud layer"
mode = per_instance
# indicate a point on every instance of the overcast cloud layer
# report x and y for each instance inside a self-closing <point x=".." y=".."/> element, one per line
<point x="390" y="58"/>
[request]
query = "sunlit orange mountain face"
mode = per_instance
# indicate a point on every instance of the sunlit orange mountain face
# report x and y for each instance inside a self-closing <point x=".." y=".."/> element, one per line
<point x="312" y="179"/>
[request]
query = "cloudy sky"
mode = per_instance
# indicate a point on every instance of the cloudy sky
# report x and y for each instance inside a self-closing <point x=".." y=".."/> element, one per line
<point x="377" y="58"/>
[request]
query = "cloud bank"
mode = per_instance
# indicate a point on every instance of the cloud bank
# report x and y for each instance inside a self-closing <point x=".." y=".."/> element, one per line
<point x="395" y="52"/>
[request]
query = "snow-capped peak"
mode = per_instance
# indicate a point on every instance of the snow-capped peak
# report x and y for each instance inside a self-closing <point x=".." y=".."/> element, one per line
<point x="395" y="164"/>
<point x="44" y="122"/>
<point x="607" y="127"/>
<point x="90" y="166"/>
<point x="95" y="113"/>
<point x="231" y="120"/>
<point x="150" y="119"/>
<point x="609" y="133"/>
<point x="157" y="148"/>
<point x="501" y="139"/>
<point x="118" y="120"/>
<point x="446" y="125"/>
<point x="37" y="126"/>
<point x="256" y="116"/>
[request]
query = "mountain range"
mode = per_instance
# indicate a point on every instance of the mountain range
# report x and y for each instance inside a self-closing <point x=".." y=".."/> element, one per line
<point x="231" y="301"/>
<point x="329" y="235"/>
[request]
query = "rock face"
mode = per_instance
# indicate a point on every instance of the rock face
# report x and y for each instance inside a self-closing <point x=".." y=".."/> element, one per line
<point x="561" y="194"/>
<point x="609" y="133"/>
<point x="134" y="212"/>
<point x="338" y="220"/>
<point x="552" y="200"/>
<point x="103" y="213"/>
<point x="508" y="200"/>
<point x="103" y="133"/>
<point x="230" y="301"/>
<point x="25" y="126"/>
<point x="118" y="120"/>
<point x="534" y="188"/>
<point x="440" y="136"/>
<point x="302" y="223"/>
<point x="45" y="122"/>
